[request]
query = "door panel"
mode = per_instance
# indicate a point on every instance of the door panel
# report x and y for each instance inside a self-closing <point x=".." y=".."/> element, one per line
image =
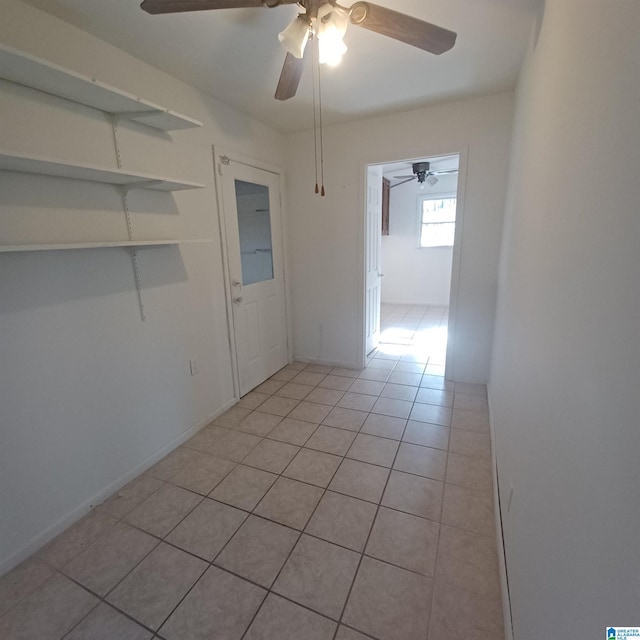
<point x="251" y="202"/>
<point x="372" y="257"/>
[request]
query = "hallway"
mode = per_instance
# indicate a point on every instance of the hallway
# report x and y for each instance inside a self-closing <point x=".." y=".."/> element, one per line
<point x="329" y="503"/>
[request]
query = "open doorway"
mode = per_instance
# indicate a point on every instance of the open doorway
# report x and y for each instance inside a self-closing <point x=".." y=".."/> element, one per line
<point x="415" y="248"/>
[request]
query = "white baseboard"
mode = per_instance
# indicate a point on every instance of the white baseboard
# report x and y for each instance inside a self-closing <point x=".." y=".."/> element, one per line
<point x="73" y="516"/>
<point x="502" y="566"/>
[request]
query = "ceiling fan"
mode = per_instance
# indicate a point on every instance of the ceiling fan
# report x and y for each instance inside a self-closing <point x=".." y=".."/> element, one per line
<point x="422" y="172"/>
<point x="328" y="22"/>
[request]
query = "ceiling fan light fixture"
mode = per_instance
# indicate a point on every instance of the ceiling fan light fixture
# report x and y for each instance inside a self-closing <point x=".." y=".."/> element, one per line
<point x="294" y="38"/>
<point x="332" y="23"/>
<point x="432" y="180"/>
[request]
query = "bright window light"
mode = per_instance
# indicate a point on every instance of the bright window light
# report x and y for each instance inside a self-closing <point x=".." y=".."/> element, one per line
<point x="437" y="221"/>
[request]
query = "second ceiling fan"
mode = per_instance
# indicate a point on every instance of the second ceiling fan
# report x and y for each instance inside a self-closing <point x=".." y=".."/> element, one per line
<point x="327" y="21"/>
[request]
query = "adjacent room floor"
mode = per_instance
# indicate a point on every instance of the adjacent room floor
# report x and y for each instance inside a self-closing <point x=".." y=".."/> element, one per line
<point x="330" y="503"/>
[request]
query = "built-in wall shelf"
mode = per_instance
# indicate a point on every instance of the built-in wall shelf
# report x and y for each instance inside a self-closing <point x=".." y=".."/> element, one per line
<point x="132" y="244"/>
<point x="28" y="70"/>
<point x="49" y="167"/>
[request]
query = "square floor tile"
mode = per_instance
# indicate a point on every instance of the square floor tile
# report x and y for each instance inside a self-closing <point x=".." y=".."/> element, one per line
<point x="293" y="431"/>
<point x="435" y="396"/>
<point x="22" y="581"/>
<point x="105" y="623"/>
<point x="307" y="377"/>
<point x="421" y="461"/>
<point x="131" y="495"/>
<point x="310" y="412"/>
<point x="399" y="392"/>
<point x="428" y="435"/>
<point x="360" y="480"/>
<point x="318" y="575"/>
<point x="404" y="377"/>
<point x="175" y="462"/>
<point x="473" y="473"/>
<point x="392" y="407"/>
<point x="432" y="414"/>
<point x="206" y="530"/>
<point x="76" y="538"/>
<point x="347" y="373"/>
<point x="289" y="502"/>
<point x="371" y="373"/>
<point x="104" y="563"/>
<point x="404" y="540"/>
<point x="467" y="509"/>
<point x="270" y="387"/>
<point x="344" y="633"/>
<point x="331" y="440"/>
<point x="458" y="613"/>
<point x="278" y="406"/>
<point x="357" y="401"/>
<point x="470" y="402"/>
<point x="260" y="423"/>
<point x="152" y="590"/>
<point x="206" y="439"/>
<point x="49" y="612"/>
<point x="339" y="383"/>
<point x="384" y="426"/>
<point x="279" y="619"/>
<point x="252" y="400"/>
<point x="220" y="607"/>
<point x="325" y="396"/>
<point x="343" y="520"/>
<point x="472" y="389"/>
<point x="244" y="487"/>
<point x="203" y="474"/>
<point x="163" y="510"/>
<point x="389" y="603"/>
<point x="468" y="561"/>
<point x="319" y="368"/>
<point x="232" y="417"/>
<point x="381" y="363"/>
<point x="367" y="387"/>
<point x="314" y="467"/>
<point x="436" y="382"/>
<point x="271" y="455"/>
<point x="235" y="445"/>
<point x="342" y="418"/>
<point x="410" y="367"/>
<point x="470" y="420"/>
<point x="413" y="494"/>
<point x="373" y="449"/>
<point x="295" y="391"/>
<point x="258" y="550"/>
<point x="285" y="374"/>
<point x="470" y="443"/>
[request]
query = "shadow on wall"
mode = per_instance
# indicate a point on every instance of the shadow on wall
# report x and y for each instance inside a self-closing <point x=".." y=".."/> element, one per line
<point x="39" y="279"/>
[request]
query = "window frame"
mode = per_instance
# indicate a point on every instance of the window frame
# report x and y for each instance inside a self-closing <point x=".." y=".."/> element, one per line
<point x="423" y="197"/>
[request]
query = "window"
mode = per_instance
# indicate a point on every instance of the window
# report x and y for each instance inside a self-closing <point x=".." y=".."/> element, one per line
<point x="437" y="221"/>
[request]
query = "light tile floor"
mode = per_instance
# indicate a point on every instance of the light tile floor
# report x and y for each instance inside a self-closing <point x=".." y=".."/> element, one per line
<point x="328" y="504"/>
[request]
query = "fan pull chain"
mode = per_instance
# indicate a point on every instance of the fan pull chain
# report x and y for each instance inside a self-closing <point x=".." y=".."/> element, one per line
<point x="321" y="131"/>
<point x="315" y="125"/>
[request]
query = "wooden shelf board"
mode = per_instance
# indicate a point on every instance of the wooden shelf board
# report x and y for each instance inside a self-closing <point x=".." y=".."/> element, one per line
<point x="30" y="71"/>
<point x="132" y="244"/>
<point x="49" y="167"/>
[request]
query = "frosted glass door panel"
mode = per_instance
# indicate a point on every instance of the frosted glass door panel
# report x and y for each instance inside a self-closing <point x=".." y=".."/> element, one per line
<point x="254" y="227"/>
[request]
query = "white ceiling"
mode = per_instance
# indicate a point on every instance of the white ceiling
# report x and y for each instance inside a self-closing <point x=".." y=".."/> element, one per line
<point x="234" y="55"/>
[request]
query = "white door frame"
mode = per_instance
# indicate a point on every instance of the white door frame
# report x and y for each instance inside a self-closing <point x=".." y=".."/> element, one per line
<point x="463" y="155"/>
<point x="219" y="154"/>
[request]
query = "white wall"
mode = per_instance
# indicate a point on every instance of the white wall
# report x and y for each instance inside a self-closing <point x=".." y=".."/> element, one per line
<point x="88" y="392"/>
<point x="326" y="234"/>
<point x="565" y="375"/>
<point x="413" y="275"/>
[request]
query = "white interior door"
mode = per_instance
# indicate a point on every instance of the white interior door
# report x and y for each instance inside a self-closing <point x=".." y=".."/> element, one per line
<point x="253" y="229"/>
<point x="372" y="257"/>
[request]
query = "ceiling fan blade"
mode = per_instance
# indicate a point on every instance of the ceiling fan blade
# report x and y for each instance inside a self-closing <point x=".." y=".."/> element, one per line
<point x="290" y="77"/>
<point x="177" y="6"/>
<point x="399" y="26"/>
<point x="404" y="177"/>
<point x="444" y="172"/>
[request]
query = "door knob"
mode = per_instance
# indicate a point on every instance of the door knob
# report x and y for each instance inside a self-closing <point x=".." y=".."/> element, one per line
<point x="238" y="299"/>
<point x="381" y="275"/>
